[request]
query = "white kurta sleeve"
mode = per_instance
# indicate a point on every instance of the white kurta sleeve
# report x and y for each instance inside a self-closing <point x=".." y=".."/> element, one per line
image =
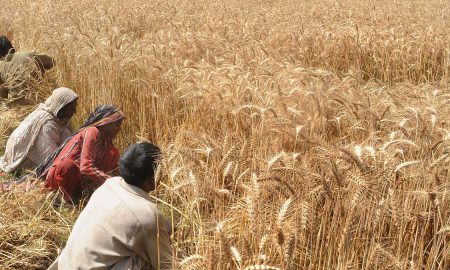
<point x="155" y="246"/>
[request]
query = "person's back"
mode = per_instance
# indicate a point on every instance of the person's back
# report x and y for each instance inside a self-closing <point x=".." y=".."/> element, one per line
<point x="13" y="62"/>
<point x="19" y="69"/>
<point x="108" y="228"/>
<point x="120" y="228"/>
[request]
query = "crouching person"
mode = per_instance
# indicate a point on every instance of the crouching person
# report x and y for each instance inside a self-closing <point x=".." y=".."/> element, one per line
<point x="120" y="228"/>
<point x="40" y="133"/>
<point x="18" y="70"/>
<point x="87" y="158"/>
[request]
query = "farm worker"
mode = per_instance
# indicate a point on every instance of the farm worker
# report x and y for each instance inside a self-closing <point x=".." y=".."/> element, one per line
<point x="18" y="68"/>
<point x="85" y="159"/>
<point x="120" y="228"/>
<point x="41" y="132"/>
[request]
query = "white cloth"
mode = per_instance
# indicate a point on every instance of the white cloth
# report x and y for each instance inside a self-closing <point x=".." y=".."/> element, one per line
<point x="39" y="134"/>
<point x="128" y="263"/>
<point x="53" y="134"/>
<point x="120" y="228"/>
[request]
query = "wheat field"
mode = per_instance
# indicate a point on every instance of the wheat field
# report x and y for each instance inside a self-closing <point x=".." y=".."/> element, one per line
<point x="296" y="134"/>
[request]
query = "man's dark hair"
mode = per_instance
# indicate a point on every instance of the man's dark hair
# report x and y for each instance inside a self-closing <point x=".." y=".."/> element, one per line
<point x="5" y="46"/>
<point x="138" y="163"/>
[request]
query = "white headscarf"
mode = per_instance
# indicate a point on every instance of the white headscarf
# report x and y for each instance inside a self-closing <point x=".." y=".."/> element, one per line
<point x="24" y="137"/>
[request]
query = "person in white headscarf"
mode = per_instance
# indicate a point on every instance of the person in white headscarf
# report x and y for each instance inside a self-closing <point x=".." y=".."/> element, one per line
<point x="40" y="134"/>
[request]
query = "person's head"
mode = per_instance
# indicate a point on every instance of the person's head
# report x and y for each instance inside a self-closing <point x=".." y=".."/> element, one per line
<point x="111" y="129"/>
<point x="62" y="103"/>
<point x="68" y="110"/>
<point x="5" y="46"/>
<point x="138" y="165"/>
<point x="107" y="118"/>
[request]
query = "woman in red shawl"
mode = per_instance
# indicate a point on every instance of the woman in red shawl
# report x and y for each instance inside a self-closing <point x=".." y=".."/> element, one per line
<point x="85" y="159"/>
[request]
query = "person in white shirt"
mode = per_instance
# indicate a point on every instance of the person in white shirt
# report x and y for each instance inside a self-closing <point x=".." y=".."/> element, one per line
<point x="120" y="228"/>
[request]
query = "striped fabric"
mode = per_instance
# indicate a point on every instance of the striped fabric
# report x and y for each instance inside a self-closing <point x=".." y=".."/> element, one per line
<point x="25" y="139"/>
<point x="102" y="115"/>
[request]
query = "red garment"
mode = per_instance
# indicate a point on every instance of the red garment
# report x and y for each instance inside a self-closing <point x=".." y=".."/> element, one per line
<point x="87" y="157"/>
